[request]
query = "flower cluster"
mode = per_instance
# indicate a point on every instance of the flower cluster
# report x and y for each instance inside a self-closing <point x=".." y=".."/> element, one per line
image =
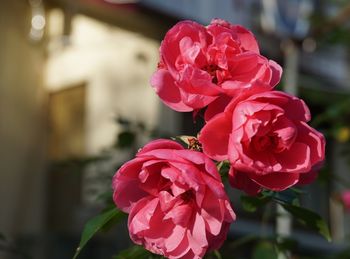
<point x="175" y="198"/>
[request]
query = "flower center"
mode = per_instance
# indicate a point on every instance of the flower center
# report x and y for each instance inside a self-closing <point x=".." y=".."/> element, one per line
<point x="194" y="144"/>
<point x="212" y="69"/>
<point x="265" y="142"/>
<point x="187" y="196"/>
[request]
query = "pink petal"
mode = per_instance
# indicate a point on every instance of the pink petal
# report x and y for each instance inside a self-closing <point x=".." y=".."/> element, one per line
<point x="189" y="50"/>
<point x="180" y="214"/>
<point x="216" y="107"/>
<point x="308" y="178"/>
<point x="277" y="181"/>
<point x="248" y="93"/>
<point x="166" y="200"/>
<point x="242" y="181"/>
<point x="276" y="73"/>
<point x="229" y="213"/>
<point x="175" y="239"/>
<point x="197" y="238"/>
<point x="212" y="213"/>
<point x="194" y="80"/>
<point x="296" y="159"/>
<point x="140" y="216"/>
<point x="295" y="108"/>
<point x="244" y="36"/>
<point x="214" y="137"/>
<point x="195" y="100"/>
<point x="314" y="139"/>
<point x="170" y="47"/>
<point x="215" y="242"/>
<point x="168" y="92"/>
<point x="215" y="186"/>
<point x="192" y="156"/>
<point x="191" y="255"/>
<point x="159" y="144"/>
<point x="126" y="185"/>
<point x="182" y="249"/>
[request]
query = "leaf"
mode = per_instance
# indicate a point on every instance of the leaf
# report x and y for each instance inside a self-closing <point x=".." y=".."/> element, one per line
<point x="288" y="196"/>
<point x="309" y="219"/>
<point x="96" y="224"/>
<point x="284" y="244"/>
<point x="264" y="250"/>
<point x="183" y="139"/>
<point x="252" y="203"/>
<point x="125" y="139"/>
<point x="243" y="241"/>
<point x="223" y="168"/>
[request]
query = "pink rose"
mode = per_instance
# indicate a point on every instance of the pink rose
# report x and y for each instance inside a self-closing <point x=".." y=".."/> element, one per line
<point x="266" y="138"/>
<point x="345" y="197"/>
<point x="176" y="201"/>
<point x="201" y="64"/>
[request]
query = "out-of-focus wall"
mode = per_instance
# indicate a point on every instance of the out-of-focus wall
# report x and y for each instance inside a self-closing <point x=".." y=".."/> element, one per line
<point x="22" y="123"/>
<point x="116" y="66"/>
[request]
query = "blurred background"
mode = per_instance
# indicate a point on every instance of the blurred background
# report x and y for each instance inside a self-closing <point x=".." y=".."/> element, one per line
<point x="75" y="103"/>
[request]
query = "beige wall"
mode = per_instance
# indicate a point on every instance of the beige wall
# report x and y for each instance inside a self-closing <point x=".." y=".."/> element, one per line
<point x="22" y="135"/>
<point x="116" y="66"/>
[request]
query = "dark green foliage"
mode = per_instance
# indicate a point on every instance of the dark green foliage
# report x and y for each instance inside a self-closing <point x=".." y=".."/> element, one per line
<point x="252" y="203"/>
<point x="125" y="139"/>
<point x="309" y="218"/>
<point x="97" y="223"/>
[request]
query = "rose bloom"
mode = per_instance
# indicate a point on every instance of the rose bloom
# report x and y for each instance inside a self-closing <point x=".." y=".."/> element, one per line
<point x="176" y="201"/>
<point x="267" y="140"/>
<point x="345" y="197"/>
<point x="199" y="65"/>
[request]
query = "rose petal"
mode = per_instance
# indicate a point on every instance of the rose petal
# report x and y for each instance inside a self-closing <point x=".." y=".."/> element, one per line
<point x="243" y="182"/>
<point x="314" y="139"/>
<point x="216" y="107"/>
<point x="276" y="73"/>
<point x="159" y="144"/>
<point x="168" y="92"/>
<point x="214" y="137"/>
<point x="278" y="181"/>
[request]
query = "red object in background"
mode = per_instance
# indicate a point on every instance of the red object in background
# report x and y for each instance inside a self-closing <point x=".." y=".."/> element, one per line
<point x="345" y="197"/>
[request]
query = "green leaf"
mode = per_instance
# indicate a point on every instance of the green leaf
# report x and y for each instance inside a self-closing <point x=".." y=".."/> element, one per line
<point x="252" y="203"/>
<point x="243" y="241"/>
<point x="105" y="197"/>
<point x="217" y="254"/>
<point x="309" y="219"/>
<point x="288" y="196"/>
<point x="223" y="168"/>
<point x="183" y="139"/>
<point x="284" y="244"/>
<point x="126" y="139"/>
<point x="264" y="250"/>
<point x="96" y="224"/>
